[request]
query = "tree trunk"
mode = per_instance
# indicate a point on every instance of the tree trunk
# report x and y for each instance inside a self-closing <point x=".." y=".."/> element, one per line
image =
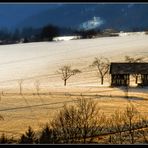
<point x="101" y="80"/>
<point x="65" y="82"/>
<point x="120" y="138"/>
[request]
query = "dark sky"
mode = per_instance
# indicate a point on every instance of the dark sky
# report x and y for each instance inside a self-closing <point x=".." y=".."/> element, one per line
<point x="11" y="14"/>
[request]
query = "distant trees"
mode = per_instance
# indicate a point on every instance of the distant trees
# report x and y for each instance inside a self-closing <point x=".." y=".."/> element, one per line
<point x="66" y="72"/>
<point x="92" y="33"/>
<point x="66" y="31"/>
<point x="88" y="33"/>
<point x="16" y="35"/>
<point x="49" y="32"/>
<point x="110" y="32"/>
<point x="5" y="35"/>
<point x="28" y="34"/>
<point x="102" y="64"/>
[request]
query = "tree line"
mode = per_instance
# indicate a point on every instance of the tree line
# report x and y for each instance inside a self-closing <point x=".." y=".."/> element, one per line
<point x="47" y="33"/>
<point x="28" y="34"/>
<point x="85" y="123"/>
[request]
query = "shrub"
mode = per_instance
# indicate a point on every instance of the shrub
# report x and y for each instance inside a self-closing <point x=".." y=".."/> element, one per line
<point x="28" y="137"/>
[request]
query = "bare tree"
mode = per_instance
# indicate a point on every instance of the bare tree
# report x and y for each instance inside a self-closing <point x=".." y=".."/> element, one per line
<point x="102" y="65"/>
<point x="131" y="116"/>
<point x="79" y="123"/>
<point x="67" y="72"/>
<point x="116" y="123"/>
<point x="20" y="82"/>
<point x="134" y="60"/>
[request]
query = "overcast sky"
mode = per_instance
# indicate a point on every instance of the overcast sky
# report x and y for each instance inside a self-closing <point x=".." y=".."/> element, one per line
<point x="10" y="13"/>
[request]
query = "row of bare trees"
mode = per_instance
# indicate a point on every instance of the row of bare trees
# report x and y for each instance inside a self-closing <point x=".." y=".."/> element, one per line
<point x="66" y="72"/>
<point x="101" y="63"/>
<point x="84" y="122"/>
<point x="36" y="84"/>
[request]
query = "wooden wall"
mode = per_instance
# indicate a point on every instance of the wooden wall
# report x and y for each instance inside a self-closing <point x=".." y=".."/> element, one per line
<point x="120" y="80"/>
<point x="144" y="79"/>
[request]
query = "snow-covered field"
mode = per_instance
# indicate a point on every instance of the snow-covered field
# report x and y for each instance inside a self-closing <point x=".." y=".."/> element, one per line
<point x="30" y="60"/>
<point x="40" y="61"/>
<point x="65" y="38"/>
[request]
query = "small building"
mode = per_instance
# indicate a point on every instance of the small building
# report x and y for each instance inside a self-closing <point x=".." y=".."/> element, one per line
<point x="120" y="73"/>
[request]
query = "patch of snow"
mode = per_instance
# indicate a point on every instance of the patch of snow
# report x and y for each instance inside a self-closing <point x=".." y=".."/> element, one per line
<point x="130" y="33"/>
<point x="65" y="38"/>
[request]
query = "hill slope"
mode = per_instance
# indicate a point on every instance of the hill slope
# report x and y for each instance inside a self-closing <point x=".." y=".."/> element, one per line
<point x="41" y="60"/>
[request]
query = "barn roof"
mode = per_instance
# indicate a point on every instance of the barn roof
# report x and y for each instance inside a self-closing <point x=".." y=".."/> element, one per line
<point x="129" y="68"/>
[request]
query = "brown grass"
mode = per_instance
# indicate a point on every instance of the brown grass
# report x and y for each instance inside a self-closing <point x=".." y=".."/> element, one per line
<point x="20" y="111"/>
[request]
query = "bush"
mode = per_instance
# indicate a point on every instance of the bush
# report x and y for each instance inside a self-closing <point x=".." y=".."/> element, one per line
<point x="4" y="139"/>
<point x="47" y="135"/>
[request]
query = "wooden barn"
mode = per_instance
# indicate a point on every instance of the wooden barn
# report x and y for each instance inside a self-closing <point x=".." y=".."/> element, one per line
<point x="120" y="73"/>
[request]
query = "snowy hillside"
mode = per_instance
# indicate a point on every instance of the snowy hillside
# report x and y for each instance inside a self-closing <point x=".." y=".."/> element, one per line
<point x="31" y="61"/>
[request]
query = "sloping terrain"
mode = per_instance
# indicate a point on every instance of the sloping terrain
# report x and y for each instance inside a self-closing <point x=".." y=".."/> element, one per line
<point x="31" y="61"/>
<point x="40" y="61"/>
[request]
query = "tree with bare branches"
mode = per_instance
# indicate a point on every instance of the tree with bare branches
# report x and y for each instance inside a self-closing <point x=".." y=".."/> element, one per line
<point x="67" y="72"/>
<point x="102" y="65"/>
<point x="116" y="122"/>
<point x="131" y="116"/>
<point x="77" y="122"/>
<point x="134" y="60"/>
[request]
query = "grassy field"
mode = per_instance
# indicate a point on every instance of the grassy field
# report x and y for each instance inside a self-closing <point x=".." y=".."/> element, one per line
<point x="20" y="111"/>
